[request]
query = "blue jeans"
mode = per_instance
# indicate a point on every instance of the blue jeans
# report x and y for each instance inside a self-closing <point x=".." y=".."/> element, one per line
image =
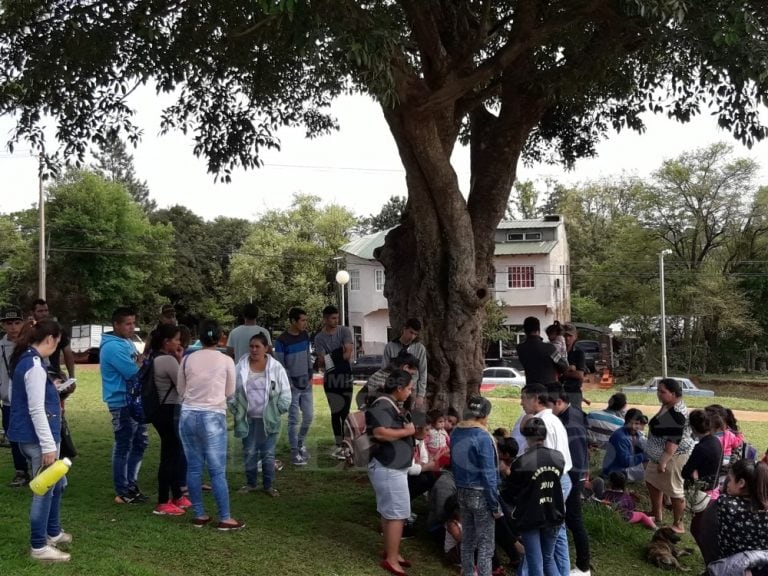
<point x="539" y="552"/>
<point x="259" y="446"/>
<point x="479" y="531"/>
<point x="562" y="556"/>
<point x="301" y="400"/>
<point x="44" y="512"/>
<point x="204" y="436"/>
<point x="131" y="440"/>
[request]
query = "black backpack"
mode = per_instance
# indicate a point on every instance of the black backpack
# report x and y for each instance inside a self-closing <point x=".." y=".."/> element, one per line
<point x="143" y="400"/>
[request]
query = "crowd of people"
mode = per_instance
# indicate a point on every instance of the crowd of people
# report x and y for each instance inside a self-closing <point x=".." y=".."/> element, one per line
<point x="516" y="493"/>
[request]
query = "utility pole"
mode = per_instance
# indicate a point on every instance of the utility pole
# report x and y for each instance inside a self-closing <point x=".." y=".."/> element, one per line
<point x="41" y="248"/>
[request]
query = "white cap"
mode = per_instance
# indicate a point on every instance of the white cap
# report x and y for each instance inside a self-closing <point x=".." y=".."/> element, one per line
<point x="67" y="461"/>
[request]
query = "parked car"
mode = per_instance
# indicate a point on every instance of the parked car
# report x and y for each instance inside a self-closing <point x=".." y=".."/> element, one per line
<point x="365" y="365"/>
<point x="502" y="376"/>
<point x="591" y="349"/>
<point x="502" y="362"/>
<point x="689" y="388"/>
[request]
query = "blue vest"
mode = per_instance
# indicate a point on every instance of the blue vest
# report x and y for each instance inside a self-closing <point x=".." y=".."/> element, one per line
<point x="21" y="428"/>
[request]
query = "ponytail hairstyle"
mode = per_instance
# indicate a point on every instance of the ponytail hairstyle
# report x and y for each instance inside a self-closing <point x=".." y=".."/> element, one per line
<point x="555" y="329"/>
<point x="33" y="333"/>
<point x="755" y="476"/>
<point x="209" y="332"/>
<point x="162" y="333"/>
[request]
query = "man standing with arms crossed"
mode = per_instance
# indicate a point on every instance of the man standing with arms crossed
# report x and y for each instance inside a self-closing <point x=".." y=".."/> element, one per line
<point x="240" y="338"/>
<point x="406" y="343"/>
<point x="118" y="365"/>
<point x="333" y="346"/>
<point x="292" y="351"/>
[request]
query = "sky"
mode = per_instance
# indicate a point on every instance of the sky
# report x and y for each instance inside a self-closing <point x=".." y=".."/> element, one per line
<point x="357" y="167"/>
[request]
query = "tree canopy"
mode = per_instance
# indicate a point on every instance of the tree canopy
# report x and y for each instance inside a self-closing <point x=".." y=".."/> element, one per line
<point x="542" y="80"/>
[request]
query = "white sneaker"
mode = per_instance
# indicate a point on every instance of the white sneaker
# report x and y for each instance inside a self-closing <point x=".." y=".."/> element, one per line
<point x="62" y="538"/>
<point x="577" y="572"/>
<point x="49" y="554"/>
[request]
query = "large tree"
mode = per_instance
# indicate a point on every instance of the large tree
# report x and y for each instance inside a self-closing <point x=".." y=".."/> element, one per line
<point x="543" y="78"/>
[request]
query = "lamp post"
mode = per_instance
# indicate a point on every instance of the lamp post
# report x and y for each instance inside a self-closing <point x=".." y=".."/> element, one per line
<point x="663" y="314"/>
<point x="342" y="277"/>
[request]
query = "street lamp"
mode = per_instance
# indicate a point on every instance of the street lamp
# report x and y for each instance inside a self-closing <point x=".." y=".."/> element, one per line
<point x="663" y="314"/>
<point x="342" y="277"/>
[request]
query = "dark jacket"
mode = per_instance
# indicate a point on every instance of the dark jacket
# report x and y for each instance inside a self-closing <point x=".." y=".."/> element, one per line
<point x="575" y="422"/>
<point x="541" y="361"/>
<point x="533" y="489"/>
<point x="623" y="451"/>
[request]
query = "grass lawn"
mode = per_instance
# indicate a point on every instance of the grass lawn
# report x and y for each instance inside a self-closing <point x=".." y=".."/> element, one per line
<point x="323" y="524"/>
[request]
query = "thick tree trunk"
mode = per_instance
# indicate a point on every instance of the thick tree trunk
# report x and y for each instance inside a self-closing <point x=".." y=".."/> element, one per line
<point x="439" y="262"/>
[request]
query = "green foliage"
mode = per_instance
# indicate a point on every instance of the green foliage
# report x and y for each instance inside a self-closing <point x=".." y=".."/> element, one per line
<point x="116" y="164"/>
<point x="287" y="260"/>
<point x="104" y="251"/>
<point x="523" y="202"/>
<point x="494" y="329"/>
<point x="18" y="261"/>
<point x="390" y="215"/>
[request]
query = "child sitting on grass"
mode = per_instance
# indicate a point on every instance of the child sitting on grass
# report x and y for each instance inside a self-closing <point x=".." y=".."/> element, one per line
<point x="619" y="497"/>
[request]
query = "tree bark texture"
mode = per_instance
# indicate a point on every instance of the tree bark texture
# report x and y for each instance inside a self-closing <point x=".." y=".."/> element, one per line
<point x="439" y="262"/>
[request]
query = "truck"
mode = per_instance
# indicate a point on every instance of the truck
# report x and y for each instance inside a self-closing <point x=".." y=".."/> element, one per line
<point x="85" y="340"/>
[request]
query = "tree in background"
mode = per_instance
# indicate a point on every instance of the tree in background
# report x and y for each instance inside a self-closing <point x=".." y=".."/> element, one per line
<point x="287" y="260"/>
<point x="524" y="201"/>
<point x="390" y="215"/>
<point x="544" y="80"/>
<point x="113" y="162"/>
<point x="104" y="252"/>
<point x="18" y="259"/>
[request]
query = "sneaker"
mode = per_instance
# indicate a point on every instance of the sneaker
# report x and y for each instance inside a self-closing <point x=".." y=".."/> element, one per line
<point x="19" y="480"/>
<point x="230" y="525"/>
<point x="297" y="460"/>
<point x="272" y="492"/>
<point x="124" y="499"/>
<point x="577" y="572"/>
<point x="138" y="497"/>
<point x="304" y="453"/>
<point x="201" y="521"/>
<point x="182" y="502"/>
<point x="49" y="554"/>
<point x="62" y="538"/>
<point x="247" y="489"/>
<point x="168" y="509"/>
<point x="339" y="453"/>
<point x="278" y="465"/>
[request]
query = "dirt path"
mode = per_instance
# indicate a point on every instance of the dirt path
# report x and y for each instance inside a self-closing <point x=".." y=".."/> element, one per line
<point x="741" y="415"/>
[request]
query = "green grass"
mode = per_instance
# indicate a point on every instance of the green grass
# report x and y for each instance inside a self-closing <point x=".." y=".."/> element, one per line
<point x="323" y="524"/>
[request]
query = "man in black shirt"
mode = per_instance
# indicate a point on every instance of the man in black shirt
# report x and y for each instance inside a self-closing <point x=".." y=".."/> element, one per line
<point x="573" y="377"/>
<point x="40" y="312"/>
<point x="541" y="361"/>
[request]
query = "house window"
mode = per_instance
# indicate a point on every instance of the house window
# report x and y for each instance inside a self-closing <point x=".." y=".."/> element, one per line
<point x="520" y="277"/>
<point x="354" y="279"/>
<point x="379" y="280"/>
<point x="533" y="235"/>
<point x="514" y="236"/>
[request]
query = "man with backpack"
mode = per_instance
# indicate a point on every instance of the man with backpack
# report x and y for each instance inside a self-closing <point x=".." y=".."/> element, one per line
<point x="118" y="366"/>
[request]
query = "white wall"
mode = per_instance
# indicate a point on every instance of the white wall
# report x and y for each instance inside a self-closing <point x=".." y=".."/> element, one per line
<point x="367" y="298"/>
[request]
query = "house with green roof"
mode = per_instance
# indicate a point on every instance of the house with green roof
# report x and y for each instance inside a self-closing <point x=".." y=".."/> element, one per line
<point x="532" y="278"/>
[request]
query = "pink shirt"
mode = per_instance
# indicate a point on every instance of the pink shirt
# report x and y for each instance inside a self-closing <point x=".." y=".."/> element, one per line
<point x="206" y="379"/>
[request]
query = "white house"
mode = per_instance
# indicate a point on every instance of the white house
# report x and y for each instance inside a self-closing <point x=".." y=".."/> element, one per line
<point x="532" y="279"/>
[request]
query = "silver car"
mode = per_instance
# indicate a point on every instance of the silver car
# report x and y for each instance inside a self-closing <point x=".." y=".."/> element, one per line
<point x="689" y="388"/>
<point x="502" y="376"/>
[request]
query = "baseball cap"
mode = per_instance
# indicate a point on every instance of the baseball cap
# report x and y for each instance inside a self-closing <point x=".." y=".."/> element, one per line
<point x="11" y="313"/>
<point x="168" y="310"/>
<point x="477" y="407"/>
<point x="570" y="329"/>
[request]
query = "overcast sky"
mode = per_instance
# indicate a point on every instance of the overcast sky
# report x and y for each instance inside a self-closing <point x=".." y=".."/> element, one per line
<point x="357" y="166"/>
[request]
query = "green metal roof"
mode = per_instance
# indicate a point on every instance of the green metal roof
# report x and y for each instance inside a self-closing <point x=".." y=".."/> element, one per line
<point x="521" y="248"/>
<point x="364" y="246"/>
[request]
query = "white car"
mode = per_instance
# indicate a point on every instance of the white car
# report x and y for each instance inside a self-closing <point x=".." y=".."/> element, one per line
<point x="502" y="376"/>
<point x="689" y="388"/>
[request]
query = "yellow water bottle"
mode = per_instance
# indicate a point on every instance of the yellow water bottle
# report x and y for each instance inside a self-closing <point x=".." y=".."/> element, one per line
<point x="47" y="478"/>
